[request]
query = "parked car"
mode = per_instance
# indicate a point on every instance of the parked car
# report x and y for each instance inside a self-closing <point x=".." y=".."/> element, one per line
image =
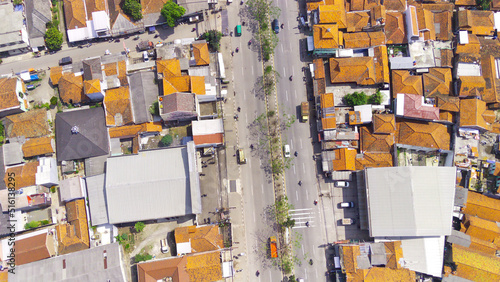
<point x="145" y="56"/>
<point x="347" y="221"/>
<point x="276" y="26"/>
<point x="65" y="61"/>
<point x="164" y="246"/>
<point x="341" y="184"/>
<point x="286" y="151"/>
<point x="347" y="205"/>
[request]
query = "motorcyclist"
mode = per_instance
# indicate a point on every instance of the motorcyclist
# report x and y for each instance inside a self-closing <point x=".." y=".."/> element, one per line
<point x="296" y="153"/>
<point x="315" y="202"/>
<point x="237" y="49"/>
<point x="307" y="223"/>
<point x="300" y="182"/>
<point x="291" y="77"/>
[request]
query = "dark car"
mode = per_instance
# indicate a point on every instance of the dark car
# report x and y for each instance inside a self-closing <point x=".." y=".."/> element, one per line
<point x="276" y="26"/>
<point x="65" y="61"/>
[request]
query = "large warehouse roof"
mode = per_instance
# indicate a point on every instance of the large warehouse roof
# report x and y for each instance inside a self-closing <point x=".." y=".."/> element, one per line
<point x="410" y="201"/>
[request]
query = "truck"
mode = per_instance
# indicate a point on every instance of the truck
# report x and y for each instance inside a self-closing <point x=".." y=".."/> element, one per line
<point x="145" y="45"/>
<point x="347" y="221"/>
<point x="304" y="111"/>
<point x="273" y="247"/>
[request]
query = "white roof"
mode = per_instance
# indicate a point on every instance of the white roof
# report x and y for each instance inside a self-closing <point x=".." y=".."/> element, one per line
<point x="365" y="113"/>
<point x="401" y="200"/>
<point x="183" y="248"/>
<point x="467" y="69"/>
<point x="496" y="17"/>
<point x="101" y="20"/>
<point x="207" y="127"/>
<point x="71" y="188"/>
<point x="424" y="255"/>
<point x="463" y="37"/>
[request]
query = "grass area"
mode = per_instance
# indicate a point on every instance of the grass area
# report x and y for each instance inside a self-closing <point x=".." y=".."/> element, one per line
<point x="180" y="132"/>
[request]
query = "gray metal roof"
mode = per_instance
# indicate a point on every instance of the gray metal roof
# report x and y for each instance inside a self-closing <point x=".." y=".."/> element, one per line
<point x="459" y="238"/>
<point x="97" y="199"/>
<point x="38" y="14"/>
<point x="12" y="153"/>
<point x="95" y="165"/>
<point x="460" y="196"/>
<point x="402" y="200"/>
<point x="86" y="265"/>
<point x="453" y="278"/>
<point x="378" y="255"/>
<point x="423" y="255"/>
<point x="12" y="24"/>
<point x="91" y="139"/>
<point x="153" y="184"/>
<point x="193" y="6"/>
<point x="70" y="189"/>
<point x="143" y="92"/>
<point x="92" y="68"/>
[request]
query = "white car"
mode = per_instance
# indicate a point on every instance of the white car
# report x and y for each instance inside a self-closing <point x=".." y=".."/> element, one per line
<point x="342" y="184"/>
<point x="286" y="151"/>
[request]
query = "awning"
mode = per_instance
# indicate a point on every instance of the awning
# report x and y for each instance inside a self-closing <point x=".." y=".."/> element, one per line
<point x="152" y="28"/>
<point x="227" y="269"/>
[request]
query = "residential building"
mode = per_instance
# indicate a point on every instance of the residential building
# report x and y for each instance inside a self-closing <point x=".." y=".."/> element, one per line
<point x="31" y="247"/>
<point x="415" y="107"/>
<point x="208" y="133"/>
<point x="46" y="172"/>
<point x="395" y="28"/>
<point x="13" y="34"/>
<point x="86" y="19"/>
<point x="344" y="159"/>
<point x="40" y="146"/>
<point x="474" y="114"/>
<point x="404" y="83"/>
<point x="30" y="124"/>
<point x="143" y="94"/>
<point x="117" y="107"/>
<point x="476" y="21"/>
<point x="120" y="23"/>
<point x="431" y="135"/>
<point x="198" y="239"/>
<point x="71" y="189"/>
<point x="12" y="96"/>
<point x="25" y="174"/>
<point x="178" y="107"/>
<point x="201" y="56"/>
<point x="71" y="89"/>
<point x="438" y="81"/>
<point x="73" y="236"/>
<point x="38" y="14"/>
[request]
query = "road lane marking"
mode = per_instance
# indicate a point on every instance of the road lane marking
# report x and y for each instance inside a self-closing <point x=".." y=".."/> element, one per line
<point x="244" y="94"/>
<point x="296" y="214"/>
<point x="295" y="94"/>
<point x="307" y="196"/>
<point x="304" y="167"/>
<point x="316" y="270"/>
<point x="284" y="71"/>
<point x="262" y="187"/>
<point x="294" y="169"/>
<point x="254" y="217"/>
<point x="252" y="69"/>
<point x="303" y="253"/>
<point x="291" y="143"/>
<point x="286" y="95"/>
<point x="242" y="72"/>
<point x="251" y="190"/>
<point x="297" y="194"/>
<point x="308" y="209"/>
<point x="281" y="48"/>
<point x="246" y="118"/>
<point x="300" y="141"/>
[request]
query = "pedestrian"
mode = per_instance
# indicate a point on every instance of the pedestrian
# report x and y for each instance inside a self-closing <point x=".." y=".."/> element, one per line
<point x="239" y="109"/>
<point x="232" y="53"/>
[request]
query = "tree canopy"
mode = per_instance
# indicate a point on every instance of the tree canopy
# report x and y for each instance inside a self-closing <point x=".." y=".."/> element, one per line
<point x="356" y="98"/>
<point x="133" y="8"/>
<point x="171" y="12"/>
<point x="53" y="39"/>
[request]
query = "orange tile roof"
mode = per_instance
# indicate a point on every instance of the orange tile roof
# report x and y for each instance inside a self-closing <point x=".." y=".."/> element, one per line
<point x="477" y="22"/>
<point x="473" y="47"/>
<point x="319" y="68"/>
<point x="349" y="255"/>
<point x="446" y="116"/>
<point x="328" y="123"/>
<point x="404" y="83"/>
<point x="465" y="2"/>
<point x="448" y="103"/>
<point x="437" y="81"/>
<point x="395" y="31"/>
<point x="489" y="73"/>
<point x="376" y="143"/>
<point x="174" y="84"/>
<point x="152" y="6"/>
<point x="8" y="94"/>
<point x="395" y="5"/>
<point x="374" y="160"/>
<point x="357" y="5"/>
<point x="327" y="36"/>
<point x="134" y="130"/>
<point x="356" y="21"/>
<point x="344" y="159"/>
<point x="376" y="274"/>
<point x="471" y="86"/>
<point x="495" y="5"/>
<point x="370" y="4"/>
<point x="55" y="74"/>
<point x="378" y="15"/>
<point x="94" y="6"/>
<point x="74" y="13"/>
<point x="333" y="14"/>
<point x="431" y="135"/>
<point x="71" y="89"/>
<point x="204" y="267"/>
<point x="203" y="239"/>
<point x="155" y="270"/>
<point x="482" y="206"/>
<point x="38" y="146"/>
<point x="327" y="100"/>
<point x="394" y="254"/>
<point x="474" y="265"/>
<point x="198" y="85"/>
<point x="92" y="86"/>
<point x="25" y="174"/>
<point x="443" y="19"/>
<point x="357" y="40"/>
<point x="473" y="113"/>
<point x="170" y="67"/>
<point x="201" y="55"/>
<point x="73" y="236"/>
<point x="358" y="69"/>
<point x="425" y="19"/>
<point x="483" y="246"/>
<point x="414" y="20"/>
<point x="447" y="58"/>
<point x="384" y="123"/>
<point x="117" y="106"/>
<point x="381" y="64"/>
<point x="483" y="229"/>
<point x="34" y="248"/>
<point x="29" y="124"/>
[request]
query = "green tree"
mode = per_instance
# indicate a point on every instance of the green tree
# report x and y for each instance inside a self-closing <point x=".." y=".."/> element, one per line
<point x="2" y="134"/>
<point x="53" y="101"/>
<point x="213" y="38"/>
<point x="262" y="11"/>
<point x="171" y="12"/>
<point x="154" y="109"/>
<point x="139" y="226"/>
<point x="166" y="141"/>
<point x="142" y="257"/>
<point x="356" y="98"/>
<point x="376" y="99"/>
<point x="32" y="224"/>
<point x="53" y="39"/>
<point x="485" y="4"/>
<point x="133" y="8"/>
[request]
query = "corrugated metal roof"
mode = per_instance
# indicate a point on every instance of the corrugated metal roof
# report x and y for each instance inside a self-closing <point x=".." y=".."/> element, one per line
<point x="459" y="238"/>
<point x="402" y="199"/>
<point x="97" y="199"/>
<point x="424" y="255"/>
<point x="153" y="184"/>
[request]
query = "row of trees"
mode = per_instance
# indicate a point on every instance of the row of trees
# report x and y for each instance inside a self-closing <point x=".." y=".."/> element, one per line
<point x="263" y="11"/>
<point x="360" y="98"/>
<point x="170" y="11"/>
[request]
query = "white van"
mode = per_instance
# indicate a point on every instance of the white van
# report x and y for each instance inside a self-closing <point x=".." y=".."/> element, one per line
<point x="347" y="205"/>
<point x="145" y="56"/>
<point x="286" y="151"/>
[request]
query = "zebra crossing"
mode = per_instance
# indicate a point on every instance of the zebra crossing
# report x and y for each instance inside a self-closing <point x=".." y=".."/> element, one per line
<point x="303" y="216"/>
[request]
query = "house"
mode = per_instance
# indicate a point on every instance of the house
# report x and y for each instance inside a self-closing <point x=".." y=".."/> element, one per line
<point x="143" y="94"/>
<point x="71" y="89"/>
<point x="437" y="81"/>
<point x="471" y="86"/>
<point x="414" y="106"/>
<point x="358" y="40"/>
<point x="395" y="28"/>
<point x="422" y="192"/>
<point x="193" y="7"/>
<point x="395" y="5"/>
<point x="55" y="75"/>
<point x="208" y="133"/>
<point x="467" y="43"/>
<point x="200" y="53"/>
<point x="86" y="19"/>
<point x="405" y="83"/>
<point x="482" y="206"/>
<point x="73" y="236"/>
<point x="31" y="247"/>
<point x="46" y="172"/>
<point x="30" y="124"/>
<point x="117" y="107"/>
<point x="370" y="159"/>
<point x="327" y="110"/>
<point x="161" y="184"/>
<point x="185" y="83"/>
<point x="71" y="189"/>
<point x="198" y="239"/>
<point x="356" y="21"/>
<point x="12" y="96"/>
<point x="38" y="14"/>
<point x="329" y="14"/>
<point x="130" y="131"/>
<point x="204" y="267"/>
<point x="168" y="67"/>
<point x="412" y="30"/>
<point x="25" y="174"/>
<point x="81" y="134"/>
<point x="13" y="34"/>
<point x="97" y="199"/>
<point x="179" y="107"/>
<point x="431" y="135"/>
<point x="474" y="114"/>
<point x="443" y="20"/>
<point x="476" y="21"/>
<point x="120" y="23"/>
<point x="448" y="103"/>
<point x="360" y="70"/>
<point x="474" y="265"/>
<point x="327" y="38"/>
<point x="101" y="263"/>
<point x="376" y="143"/>
<point x="384" y="123"/>
<point x="12" y="154"/>
<point x="425" y="20"/>
<point x="40" y="146"/>
<point x="344" y="159"/>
